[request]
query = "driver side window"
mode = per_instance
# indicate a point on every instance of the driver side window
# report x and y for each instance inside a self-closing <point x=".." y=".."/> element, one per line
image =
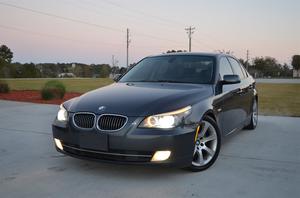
<point x="224" y="68"/>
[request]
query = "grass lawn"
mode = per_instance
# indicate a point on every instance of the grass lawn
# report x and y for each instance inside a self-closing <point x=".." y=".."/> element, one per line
<point x="279" y="99"/>
<point x="274" y="99"/>
<point x="79" y="85"/>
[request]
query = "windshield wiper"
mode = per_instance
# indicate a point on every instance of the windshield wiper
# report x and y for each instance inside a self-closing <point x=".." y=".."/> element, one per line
<point x="168" y="81"/>
<point x="159" y="81"/>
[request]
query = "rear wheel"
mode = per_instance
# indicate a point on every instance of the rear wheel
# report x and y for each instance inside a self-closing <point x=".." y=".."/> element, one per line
<point x="207" y="145"/>
<point x="254" y="116"/>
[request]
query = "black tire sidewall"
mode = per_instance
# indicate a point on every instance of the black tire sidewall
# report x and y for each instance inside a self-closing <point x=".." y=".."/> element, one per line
<point x="251" y="125"/>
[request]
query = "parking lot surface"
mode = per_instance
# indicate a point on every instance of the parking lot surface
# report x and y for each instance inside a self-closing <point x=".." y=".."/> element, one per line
<point x="260" y="163"/>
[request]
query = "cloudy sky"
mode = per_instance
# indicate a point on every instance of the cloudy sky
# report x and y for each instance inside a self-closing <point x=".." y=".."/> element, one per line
<point x="91" y="31"/>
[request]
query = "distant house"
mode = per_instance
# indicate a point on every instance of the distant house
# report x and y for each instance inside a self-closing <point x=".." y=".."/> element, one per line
<point x="66" y="75"/>
<point x="296" y="73"/>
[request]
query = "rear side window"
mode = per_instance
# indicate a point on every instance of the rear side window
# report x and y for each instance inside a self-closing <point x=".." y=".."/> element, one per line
<point x="236" y="68"/>
<point x="244" y="70"/>
<point x="225" y="68"/>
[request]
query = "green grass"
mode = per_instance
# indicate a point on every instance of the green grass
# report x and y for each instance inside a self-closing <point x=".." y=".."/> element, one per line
<point x="79" y="85"/>
<point x="279" y="99"/>
<point x="274" y="99"/>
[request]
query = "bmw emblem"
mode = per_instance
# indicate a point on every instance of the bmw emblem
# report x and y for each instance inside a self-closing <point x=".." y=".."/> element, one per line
<point x="101" y="108"/>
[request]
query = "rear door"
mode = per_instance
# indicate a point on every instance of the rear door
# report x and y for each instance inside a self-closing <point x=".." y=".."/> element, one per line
<point x="244" y="94"/>
<point x="249" y="92"/>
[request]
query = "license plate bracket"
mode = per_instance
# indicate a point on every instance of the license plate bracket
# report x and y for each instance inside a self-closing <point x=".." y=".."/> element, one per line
<point x="94" y="141"/>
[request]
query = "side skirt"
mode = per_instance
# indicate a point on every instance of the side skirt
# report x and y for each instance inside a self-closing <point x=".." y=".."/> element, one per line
<point x="240" y="127"/>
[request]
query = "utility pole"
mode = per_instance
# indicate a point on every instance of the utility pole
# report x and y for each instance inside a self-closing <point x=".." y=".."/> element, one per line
<point x="113" y="61"/>
<point x="190" y="31"/>
<point x="127" y="46"/>
<point x="247" y="59"/>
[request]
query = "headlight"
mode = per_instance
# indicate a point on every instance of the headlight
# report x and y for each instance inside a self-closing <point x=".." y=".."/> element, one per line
<point x="166" y="120"/>
<point x="62" y="114"/>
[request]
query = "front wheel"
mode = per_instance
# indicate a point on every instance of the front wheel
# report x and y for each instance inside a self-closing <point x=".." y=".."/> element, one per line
<point x="207" y="145"/>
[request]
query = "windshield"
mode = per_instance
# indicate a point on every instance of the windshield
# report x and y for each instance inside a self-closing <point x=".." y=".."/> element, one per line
<point x="177" y="69"/>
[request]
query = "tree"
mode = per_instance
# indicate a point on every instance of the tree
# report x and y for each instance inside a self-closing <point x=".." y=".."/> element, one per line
<point x="105" y="71"/>
<point x="123" y="70"/>
<point x="115" y="70"/>
<point x="49" y="70"/>
<point x="6" y="54"/>
<point x="87" y="71"/>
<point x="286" y="71"/>
<point x="268" y="66"/>
<point x="229" y="52"/>
<point x="175" y="51"/>
<point x="243" y="62"/>
<point x="296" y="62"/>
<point x="29" y="70"/>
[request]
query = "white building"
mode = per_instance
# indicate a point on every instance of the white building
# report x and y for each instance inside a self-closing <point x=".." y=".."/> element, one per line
<point x="296" y="73"/>
<point x="66" y="75"/>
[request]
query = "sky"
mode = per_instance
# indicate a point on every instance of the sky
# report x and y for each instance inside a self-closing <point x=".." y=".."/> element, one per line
<point x="92" y="31"/>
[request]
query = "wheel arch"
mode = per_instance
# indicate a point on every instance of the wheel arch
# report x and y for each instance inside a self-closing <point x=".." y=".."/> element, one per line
<point x="211" y="114"/>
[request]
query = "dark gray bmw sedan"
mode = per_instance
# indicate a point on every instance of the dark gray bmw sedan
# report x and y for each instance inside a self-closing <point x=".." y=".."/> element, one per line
<point x="171" y="109"/>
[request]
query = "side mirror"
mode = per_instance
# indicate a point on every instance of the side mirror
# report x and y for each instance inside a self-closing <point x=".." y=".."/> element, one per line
<point x="117" y="77"/>
<point x="231" y="79"/>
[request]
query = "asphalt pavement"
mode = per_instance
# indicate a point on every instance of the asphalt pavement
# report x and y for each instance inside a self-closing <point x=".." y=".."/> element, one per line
<point x="260" y="163"/>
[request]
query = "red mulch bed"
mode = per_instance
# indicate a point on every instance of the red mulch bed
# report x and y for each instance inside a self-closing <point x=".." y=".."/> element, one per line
<point x="34" y="97"/>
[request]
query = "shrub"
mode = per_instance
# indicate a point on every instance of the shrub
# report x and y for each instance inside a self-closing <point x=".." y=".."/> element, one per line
<point x="4" y="88"/>
<point x="53" y="90"/>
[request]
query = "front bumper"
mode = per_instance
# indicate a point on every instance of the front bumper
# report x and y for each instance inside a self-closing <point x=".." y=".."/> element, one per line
<point x="131" y="145"/>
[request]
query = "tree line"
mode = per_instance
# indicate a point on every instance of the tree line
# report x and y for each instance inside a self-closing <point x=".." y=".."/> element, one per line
<point x="9" y="69"/>
<point x="261" y="67"/>
<point x="258" y="67"/>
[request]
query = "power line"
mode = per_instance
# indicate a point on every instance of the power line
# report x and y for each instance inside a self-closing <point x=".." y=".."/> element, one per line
<point x="140" y="12"/>
<point x="61" y="17"/>
<point x="132" y="14"/>
<point x="80" y="21"/>
<point x="156" y="17"/>
<point x="190" y="31"/>
<point x="201" y="43"/>
<point x="83" y="22"/>
<point x="34" y="33"/>
<point x="97" y="25"/>
<point x="54" y="36"/>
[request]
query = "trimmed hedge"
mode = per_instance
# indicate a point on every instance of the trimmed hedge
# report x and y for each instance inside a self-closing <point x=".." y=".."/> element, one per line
<point x="4" y="88"/>
<point x="53" y="90"/>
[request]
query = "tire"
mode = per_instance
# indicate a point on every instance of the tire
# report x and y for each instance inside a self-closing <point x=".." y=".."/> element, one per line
<point x="254" y="116"/>
<point x="207" y="145"/>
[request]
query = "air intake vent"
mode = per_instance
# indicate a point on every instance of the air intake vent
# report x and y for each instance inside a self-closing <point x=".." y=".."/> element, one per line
<point x="84" y="120"/>
<point x="108" y="122"/>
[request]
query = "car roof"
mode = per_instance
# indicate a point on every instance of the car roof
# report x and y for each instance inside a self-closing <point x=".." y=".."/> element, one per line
<point x="189" y="54"/>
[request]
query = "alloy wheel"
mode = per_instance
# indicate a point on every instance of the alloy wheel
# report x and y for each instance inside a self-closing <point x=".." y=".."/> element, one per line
<point x="255" y="113"/>
<point x="205" y="145"/>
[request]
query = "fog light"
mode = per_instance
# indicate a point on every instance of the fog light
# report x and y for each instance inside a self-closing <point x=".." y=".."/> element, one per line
<point x="161" y="156"/>
<point x="58" y="144"/>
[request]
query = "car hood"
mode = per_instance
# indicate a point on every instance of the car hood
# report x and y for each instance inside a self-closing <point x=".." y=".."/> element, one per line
<point x="139" y="99"/>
